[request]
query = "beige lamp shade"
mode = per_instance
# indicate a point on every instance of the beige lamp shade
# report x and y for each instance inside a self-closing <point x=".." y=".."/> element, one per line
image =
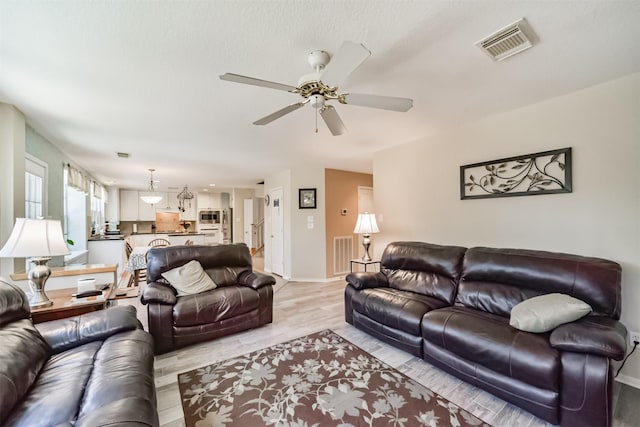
<point x="366" y="224"/>
<point x="35" y="238"/>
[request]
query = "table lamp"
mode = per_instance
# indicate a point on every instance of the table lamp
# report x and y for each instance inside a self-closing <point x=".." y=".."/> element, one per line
<point x="39" y="239"/>
<point x="366" y="225"/>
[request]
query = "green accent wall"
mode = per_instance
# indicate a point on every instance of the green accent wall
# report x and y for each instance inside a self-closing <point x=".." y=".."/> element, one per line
<point x="45" y="151"/>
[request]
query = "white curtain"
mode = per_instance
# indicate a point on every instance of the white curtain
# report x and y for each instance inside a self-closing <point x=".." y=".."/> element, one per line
<point x="76" y="179"/>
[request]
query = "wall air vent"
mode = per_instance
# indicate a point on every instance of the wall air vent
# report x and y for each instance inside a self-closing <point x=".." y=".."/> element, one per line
<point x="508" y="41"/>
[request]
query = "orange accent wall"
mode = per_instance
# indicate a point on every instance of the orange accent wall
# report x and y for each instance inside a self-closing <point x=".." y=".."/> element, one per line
<point x="341" y="189"/>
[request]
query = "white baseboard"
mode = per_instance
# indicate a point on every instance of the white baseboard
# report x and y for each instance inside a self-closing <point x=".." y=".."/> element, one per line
<point x="631" y="381"/>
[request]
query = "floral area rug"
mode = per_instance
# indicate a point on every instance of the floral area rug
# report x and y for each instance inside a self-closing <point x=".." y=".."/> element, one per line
<point x="317" y="380"/>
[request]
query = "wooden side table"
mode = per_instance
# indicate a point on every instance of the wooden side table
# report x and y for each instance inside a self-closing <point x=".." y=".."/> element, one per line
<point x="62" y="307"/>
<point x="365" y="263"/>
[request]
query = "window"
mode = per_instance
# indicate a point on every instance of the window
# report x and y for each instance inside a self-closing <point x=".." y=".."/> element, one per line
<point x="35" y="188"/>
<point x="97" y="207"/>
<point x="75" y="214"/>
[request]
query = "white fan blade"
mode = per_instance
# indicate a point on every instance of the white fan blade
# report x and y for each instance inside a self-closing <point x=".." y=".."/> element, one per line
<point x="344" y="62"/>
<point x="271" y="117"/>
<point x="237" y="78"/>
<point x="333" y="120"/>
<point x="376" y="101"/>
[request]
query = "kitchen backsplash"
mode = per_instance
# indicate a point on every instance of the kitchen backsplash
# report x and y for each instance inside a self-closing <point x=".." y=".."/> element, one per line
<point x="126" y="227"/>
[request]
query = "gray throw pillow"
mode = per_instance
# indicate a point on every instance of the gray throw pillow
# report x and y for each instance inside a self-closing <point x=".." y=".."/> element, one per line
<point x="189" y="279"/>
<point x="545" y="312"/>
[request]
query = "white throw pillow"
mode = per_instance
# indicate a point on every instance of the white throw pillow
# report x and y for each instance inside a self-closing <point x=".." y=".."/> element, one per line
<point x="545" y="312"/>
<point x="189" y="279"/>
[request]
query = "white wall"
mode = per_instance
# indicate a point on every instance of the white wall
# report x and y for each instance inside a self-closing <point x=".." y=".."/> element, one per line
<point x="416" y="186"/>
<point x="304" y="248"/>
<point x="308" y="250"/>
<point x="12" y="166"/>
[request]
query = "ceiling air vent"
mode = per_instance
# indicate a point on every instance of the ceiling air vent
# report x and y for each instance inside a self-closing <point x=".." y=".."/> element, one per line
<point x="123" y="155"/>
<point x="508" y="41"/>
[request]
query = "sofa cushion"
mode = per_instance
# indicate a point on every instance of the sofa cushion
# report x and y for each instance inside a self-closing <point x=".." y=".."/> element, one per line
<point x="398" y="309"/>
<point x="23" y="352"/>
<point x="423" y="268"/>
<point x="189" y="279"/>
<point x="489" y="341"/>
<point x="215" y="305"/>
<point x="57" y="394"/>
<point x="101" y="383"/>
<point x="495" y="280"/>
<point x="545" y="312"/>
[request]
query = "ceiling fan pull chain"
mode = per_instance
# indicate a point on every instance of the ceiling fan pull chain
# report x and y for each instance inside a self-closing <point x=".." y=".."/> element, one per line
<point x="316" y="120"/>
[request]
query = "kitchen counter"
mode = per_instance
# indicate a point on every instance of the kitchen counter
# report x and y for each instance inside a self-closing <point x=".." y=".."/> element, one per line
<point x="106" y="237"/>
<point x="175" y="238"/>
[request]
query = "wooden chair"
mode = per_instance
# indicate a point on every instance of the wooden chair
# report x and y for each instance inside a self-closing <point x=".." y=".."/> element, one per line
<point x="142" y="274"/>
<point x="127" y="252"/>
<point x="158" y="243"/>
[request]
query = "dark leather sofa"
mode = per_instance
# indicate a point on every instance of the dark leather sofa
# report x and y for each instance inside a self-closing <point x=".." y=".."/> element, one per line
<point x="451" y="306"/>
<point x="90" y="370"/>
<point x="243" y="299"/>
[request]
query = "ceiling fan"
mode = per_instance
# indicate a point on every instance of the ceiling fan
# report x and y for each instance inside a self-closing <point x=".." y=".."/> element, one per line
<point x="316" y="91"/>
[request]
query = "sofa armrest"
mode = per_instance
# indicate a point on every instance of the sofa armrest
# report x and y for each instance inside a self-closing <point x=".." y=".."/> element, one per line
<point x="256" y="280"/>
<point x="595" y="335"/>
<point x="364" y="280"/>
<point x="158" y="293"/>
<point x="68" y="333"/>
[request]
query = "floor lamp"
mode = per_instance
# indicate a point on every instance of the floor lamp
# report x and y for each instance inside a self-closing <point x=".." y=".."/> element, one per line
<point x="39" y="239"/>
<point x="366" y="225"/>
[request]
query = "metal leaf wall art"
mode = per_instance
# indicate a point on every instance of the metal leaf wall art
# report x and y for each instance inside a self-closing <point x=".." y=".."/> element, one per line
<point x="548" y="172"/>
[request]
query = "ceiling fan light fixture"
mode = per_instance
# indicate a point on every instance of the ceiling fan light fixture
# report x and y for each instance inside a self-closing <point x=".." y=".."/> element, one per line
<point x="316" y="101"/>
<point x="151" y="197"/>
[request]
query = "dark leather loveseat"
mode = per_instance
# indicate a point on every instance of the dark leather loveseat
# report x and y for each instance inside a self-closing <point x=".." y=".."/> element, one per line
<point x="451" y="306"/>
<point x="90" y="370"/>
<point x="243" y="299"/>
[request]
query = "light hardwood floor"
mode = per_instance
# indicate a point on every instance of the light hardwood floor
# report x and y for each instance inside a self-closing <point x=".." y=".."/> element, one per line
<point x="304" y="308"/>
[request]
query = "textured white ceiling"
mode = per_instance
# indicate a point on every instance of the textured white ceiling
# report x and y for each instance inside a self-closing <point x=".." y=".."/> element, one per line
<point x="142" y="77"/>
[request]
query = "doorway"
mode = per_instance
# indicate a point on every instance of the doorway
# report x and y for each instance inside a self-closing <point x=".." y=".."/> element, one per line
<point x="248" y="223"/>
<point x="276" y="235"/>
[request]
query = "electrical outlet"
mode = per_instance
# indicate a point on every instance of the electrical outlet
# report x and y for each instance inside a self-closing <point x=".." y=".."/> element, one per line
<point x="634" y="336"/>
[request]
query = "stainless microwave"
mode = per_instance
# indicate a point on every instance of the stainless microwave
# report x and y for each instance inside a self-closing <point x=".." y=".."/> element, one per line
<point x="209" y="217"/>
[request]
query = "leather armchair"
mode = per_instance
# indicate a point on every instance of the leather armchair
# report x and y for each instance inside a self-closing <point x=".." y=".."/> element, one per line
<point x="90" y="370"/>
<point x="243" y="298"/>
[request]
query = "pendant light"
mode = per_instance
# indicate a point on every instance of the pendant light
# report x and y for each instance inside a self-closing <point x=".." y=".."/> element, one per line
<point x="184" y="199"/>
<point x="152" y="197"/>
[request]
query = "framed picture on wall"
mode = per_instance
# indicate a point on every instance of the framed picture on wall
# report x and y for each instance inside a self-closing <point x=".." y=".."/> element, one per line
<point x="307" y="198"/>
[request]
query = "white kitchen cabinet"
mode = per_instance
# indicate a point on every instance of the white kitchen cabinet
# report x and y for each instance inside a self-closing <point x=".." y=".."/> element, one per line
<point x="132" y="208"/>
<point x="169" y="203"/>
<point x="113" y="205"/>
<point x="190" y="213"/>
<point x="208" y="201"/>
<point x="147" y="212"/>
<point x="128" y="205"/>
